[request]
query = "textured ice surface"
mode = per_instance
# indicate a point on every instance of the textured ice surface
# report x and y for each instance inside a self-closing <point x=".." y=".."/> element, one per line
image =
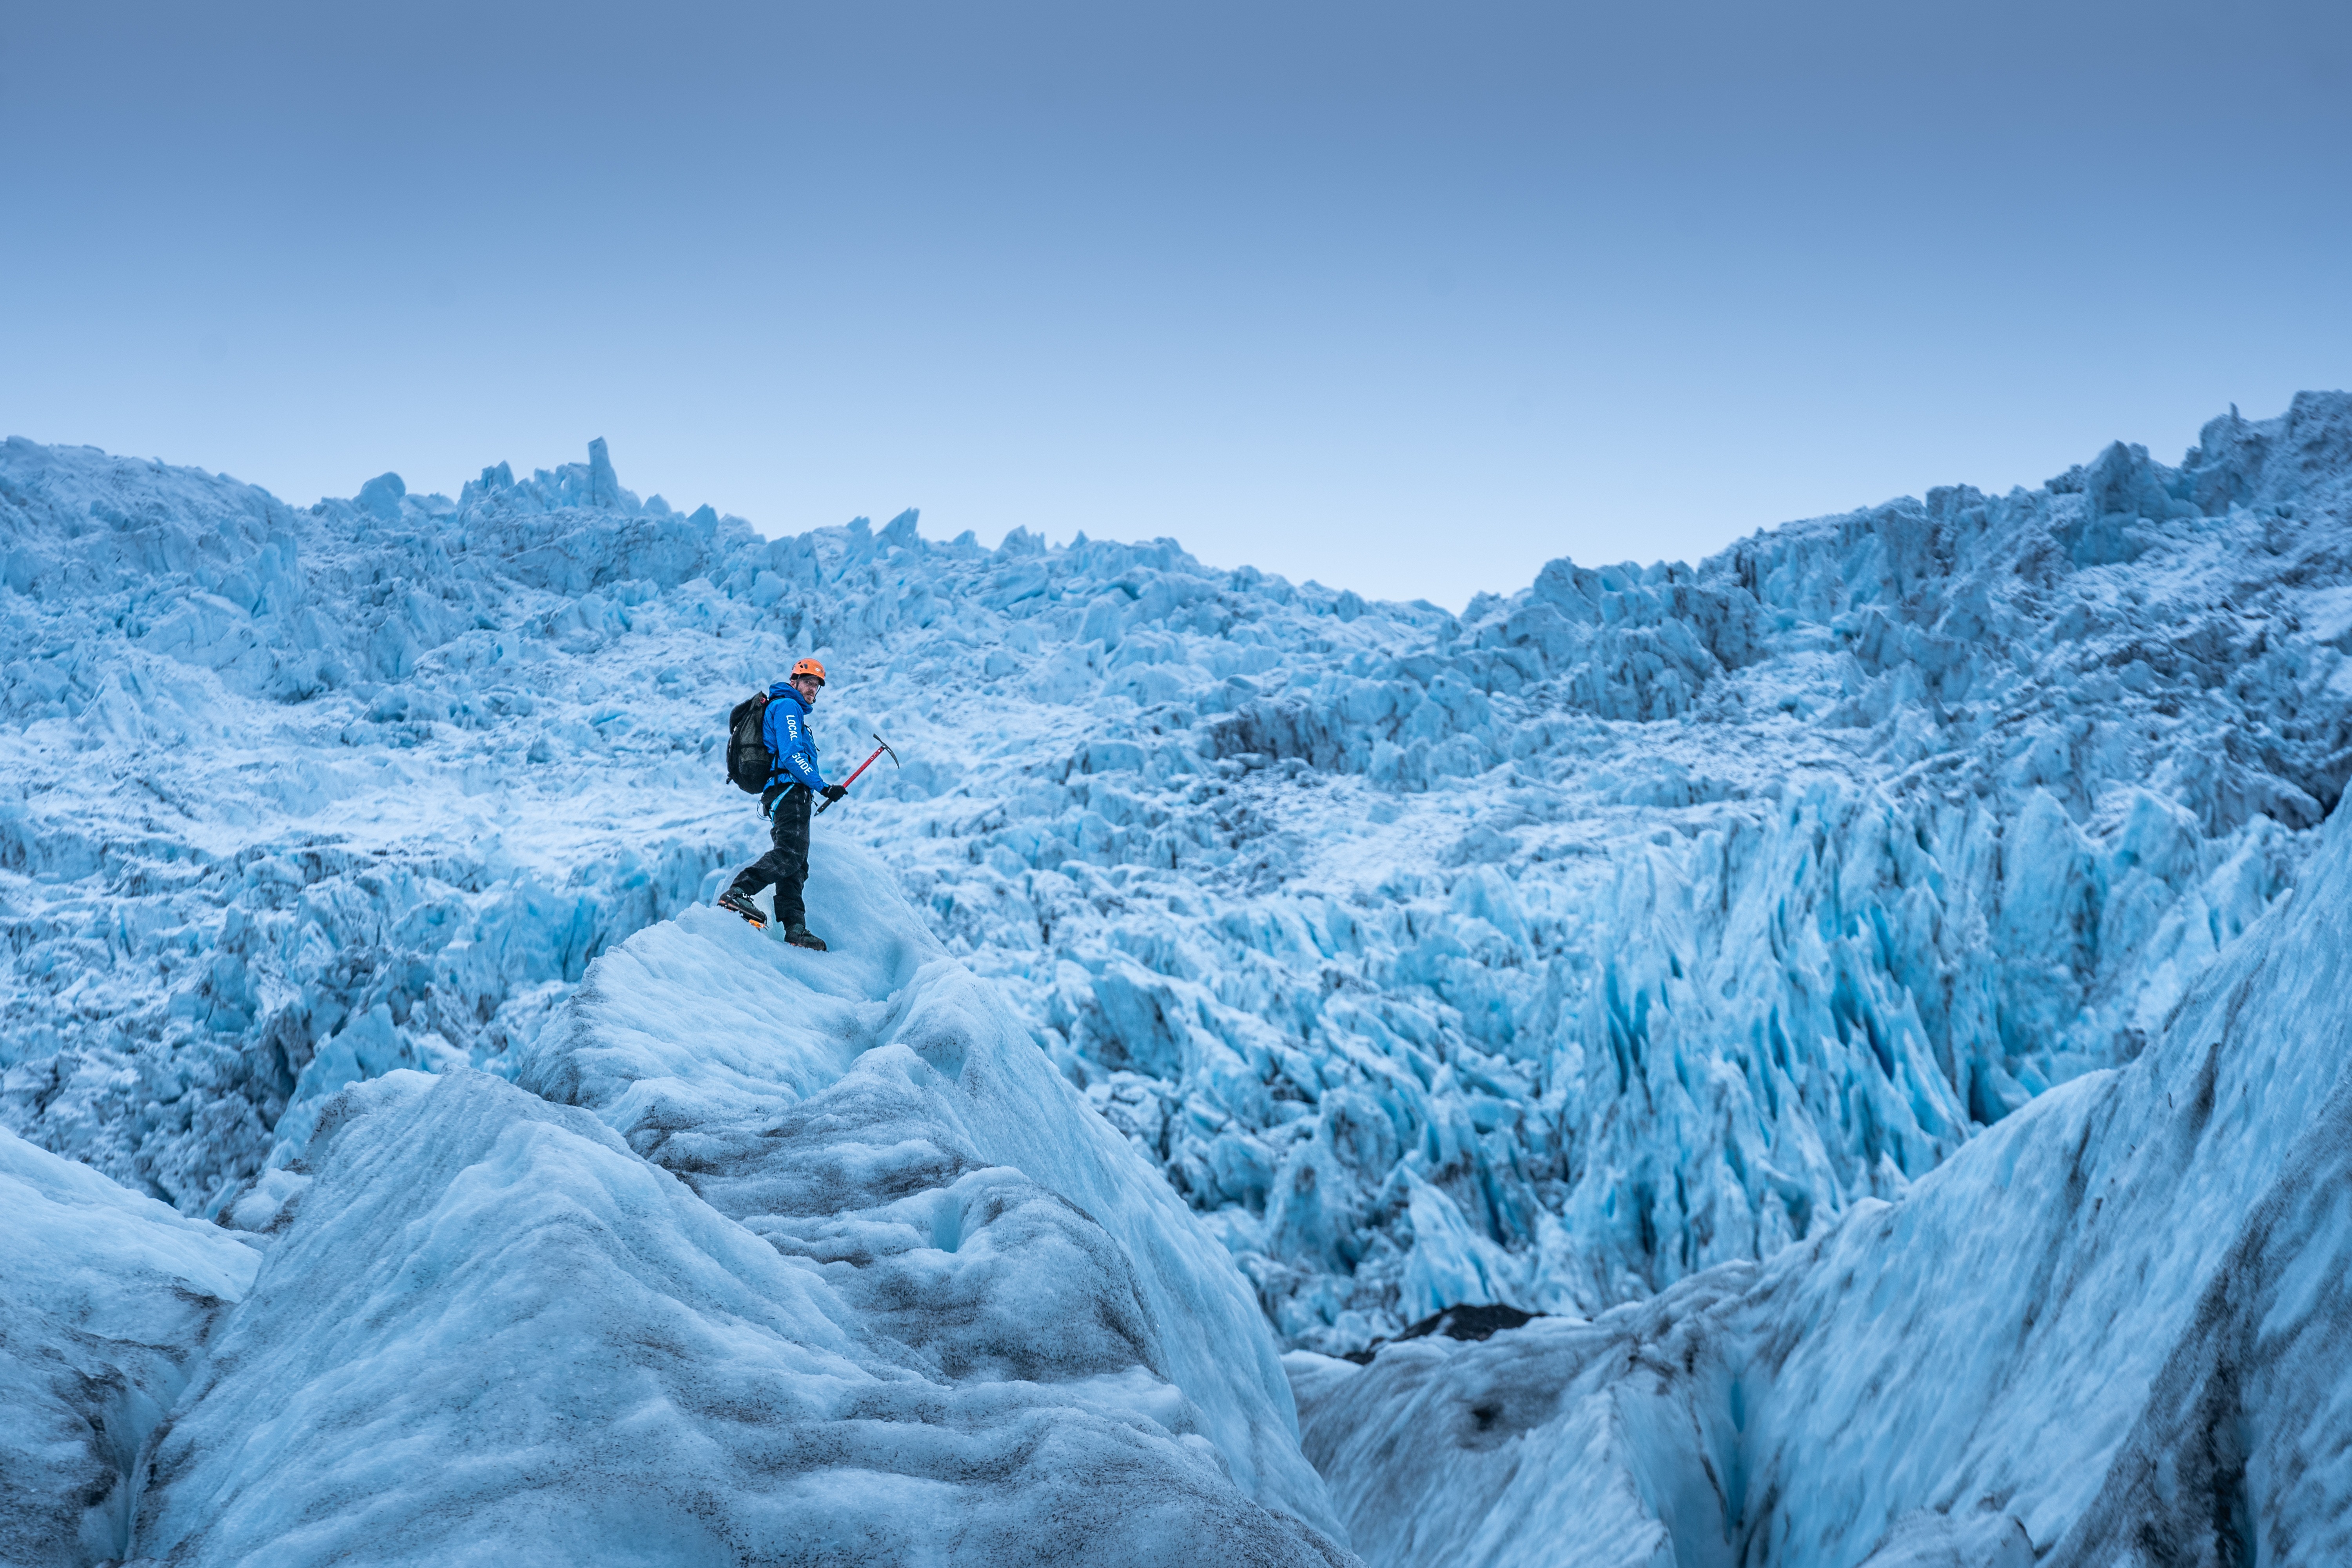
<point x="812" y="1260"/>
<point x="2113" y="1330"/>
<point x="1642" y="921"/>
<point x="105" y="1301"/>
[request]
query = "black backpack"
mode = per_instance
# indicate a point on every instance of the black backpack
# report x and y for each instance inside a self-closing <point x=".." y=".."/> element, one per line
<point x="749" y="760"/>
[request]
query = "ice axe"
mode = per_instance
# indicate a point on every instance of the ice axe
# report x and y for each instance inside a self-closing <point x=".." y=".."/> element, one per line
<point x="880" y="746"/>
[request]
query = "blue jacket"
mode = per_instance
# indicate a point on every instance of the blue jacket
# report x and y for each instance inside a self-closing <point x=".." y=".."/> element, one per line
<point x="790" y="740"/>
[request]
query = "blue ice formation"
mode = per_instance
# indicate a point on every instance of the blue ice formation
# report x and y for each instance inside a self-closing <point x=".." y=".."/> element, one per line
<point x="2112" y="1329"/>
<point x="1645" y="920"/>
<point x="761" y="1257"/>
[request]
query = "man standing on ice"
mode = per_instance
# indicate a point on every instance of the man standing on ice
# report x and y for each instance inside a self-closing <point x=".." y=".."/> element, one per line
<point x="792" y="780"/>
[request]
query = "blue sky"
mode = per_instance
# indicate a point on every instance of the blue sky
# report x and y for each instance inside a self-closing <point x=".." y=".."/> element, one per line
<point x="1407" y="298"/>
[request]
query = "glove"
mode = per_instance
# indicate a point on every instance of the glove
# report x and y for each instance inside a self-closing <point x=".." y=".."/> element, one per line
<point x="834" y="791"/>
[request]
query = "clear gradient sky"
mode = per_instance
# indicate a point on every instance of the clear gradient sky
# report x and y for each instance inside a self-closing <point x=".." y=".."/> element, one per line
<point x="1406" y="298"/>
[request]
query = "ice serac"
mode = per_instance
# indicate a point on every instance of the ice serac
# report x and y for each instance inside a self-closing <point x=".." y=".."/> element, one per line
<point x="1641" y="920"/>
<point x="791" y="1258"/>
<point x="2113" y="1329"/>
<point x="106" y="1298"/>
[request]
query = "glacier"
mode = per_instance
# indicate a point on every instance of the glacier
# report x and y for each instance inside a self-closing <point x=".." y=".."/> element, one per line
<point x="1641" y="920"/>
<point x="1871" y="995"/>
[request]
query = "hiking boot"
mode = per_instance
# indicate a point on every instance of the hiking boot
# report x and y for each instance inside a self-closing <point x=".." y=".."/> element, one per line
<point x="801" y="936"/>
<point x="742" y="904"/>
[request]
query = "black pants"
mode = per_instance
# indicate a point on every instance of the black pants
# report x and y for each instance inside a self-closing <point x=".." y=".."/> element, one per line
<point x="786" y="865"/>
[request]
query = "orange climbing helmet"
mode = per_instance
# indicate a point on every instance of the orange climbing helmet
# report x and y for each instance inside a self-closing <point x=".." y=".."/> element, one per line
<point x="809" y="666"/>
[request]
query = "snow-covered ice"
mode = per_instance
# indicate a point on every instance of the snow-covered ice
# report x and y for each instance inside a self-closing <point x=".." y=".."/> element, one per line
<point x="789" y="1259"/>
<point x="2113" y="1330"/>
<point x="1641" y="920"/>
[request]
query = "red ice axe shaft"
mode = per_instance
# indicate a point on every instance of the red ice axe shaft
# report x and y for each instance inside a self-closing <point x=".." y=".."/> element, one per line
<point x="880" y="746"/>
